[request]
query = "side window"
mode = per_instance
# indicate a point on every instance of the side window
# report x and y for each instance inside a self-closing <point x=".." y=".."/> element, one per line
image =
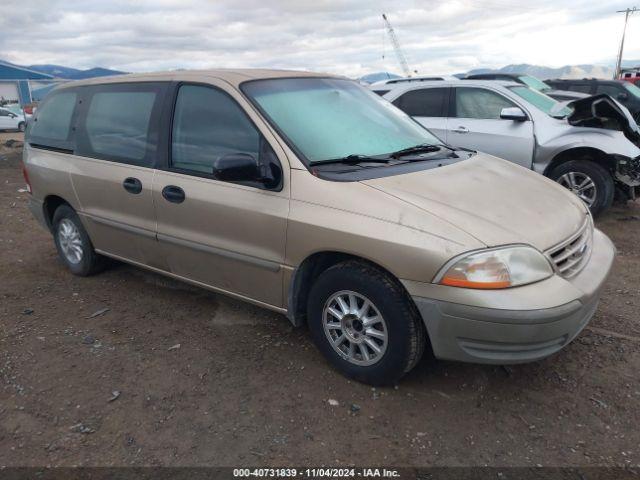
<point x="426" y="102"/>
<point x="580" y="87"/>
<point x="52" y="123"/>
<point x="480" y="103"/>
<point x="207" y="125"/>
<point x="4" y="113"/>
<point x="611" y="90"/>
<point x="117" y="124"/>
<point x="120" y="122"/>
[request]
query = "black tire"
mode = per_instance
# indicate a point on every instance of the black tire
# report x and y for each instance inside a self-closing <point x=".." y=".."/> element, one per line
<point x="604" y="184"/>
<point x="90" y="262"/>
<point x="21" y="127"/>
<point x="406" y="333"/>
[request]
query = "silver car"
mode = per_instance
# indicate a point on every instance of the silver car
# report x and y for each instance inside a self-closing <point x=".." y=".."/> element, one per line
<point x="590" y="146"/>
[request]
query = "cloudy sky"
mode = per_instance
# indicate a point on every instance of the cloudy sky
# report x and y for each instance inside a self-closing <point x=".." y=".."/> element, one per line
<point x="336" y="36"/>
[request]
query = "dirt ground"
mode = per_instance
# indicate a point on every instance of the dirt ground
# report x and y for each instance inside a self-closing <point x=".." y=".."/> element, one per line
<point x="129" y="368"/>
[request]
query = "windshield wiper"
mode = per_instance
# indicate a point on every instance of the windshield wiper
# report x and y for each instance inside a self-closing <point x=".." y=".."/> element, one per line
<point x="352" y="160"/>
<point x="423" y="148"/>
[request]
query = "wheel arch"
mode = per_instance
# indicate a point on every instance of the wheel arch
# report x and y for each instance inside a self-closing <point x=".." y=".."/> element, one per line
<point x="582" y="153"/>
<point x="50" y="205"/>
<point x="309" y="270"/>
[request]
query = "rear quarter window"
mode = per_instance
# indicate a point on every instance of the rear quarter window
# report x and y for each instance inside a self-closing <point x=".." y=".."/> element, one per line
<point x="51" y="127"/>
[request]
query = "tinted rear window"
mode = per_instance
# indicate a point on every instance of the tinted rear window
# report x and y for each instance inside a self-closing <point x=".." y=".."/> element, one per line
<point x="120" y="123"/>
<point x="427" y="102"/>
<point x="51" y="126"/>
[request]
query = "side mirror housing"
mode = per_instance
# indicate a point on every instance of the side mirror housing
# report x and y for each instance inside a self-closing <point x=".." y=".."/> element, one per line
<point x="513" y="113"/>
<point x="236" y="167"/>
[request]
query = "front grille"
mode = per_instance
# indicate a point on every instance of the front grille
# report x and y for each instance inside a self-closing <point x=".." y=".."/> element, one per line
<point x="569" y="257"/>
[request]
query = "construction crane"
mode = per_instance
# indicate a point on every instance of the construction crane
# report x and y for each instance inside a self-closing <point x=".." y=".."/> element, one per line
<point x="396" y="47"/>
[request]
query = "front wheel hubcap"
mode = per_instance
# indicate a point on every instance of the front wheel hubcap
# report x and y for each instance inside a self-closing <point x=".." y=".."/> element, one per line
<point x="580" y="184"/>
<point x="70" y="241"/>
<point x="355" y="328"/>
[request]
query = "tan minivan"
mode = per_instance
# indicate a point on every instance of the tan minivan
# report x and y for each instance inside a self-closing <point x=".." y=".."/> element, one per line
<point x="310" y="195"/>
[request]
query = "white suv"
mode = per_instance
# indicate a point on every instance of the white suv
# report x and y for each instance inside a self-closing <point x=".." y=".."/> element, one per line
<point x="589" y="146"/>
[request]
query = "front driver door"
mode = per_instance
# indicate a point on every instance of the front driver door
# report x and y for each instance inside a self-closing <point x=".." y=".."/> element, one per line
<point x="476" y="124"/>
<point x="229" y="236"/>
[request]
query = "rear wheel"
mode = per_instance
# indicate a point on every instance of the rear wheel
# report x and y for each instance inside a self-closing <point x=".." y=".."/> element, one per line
<point x="591" y="182"/>
<point x="365" y="324"/>
<point x="73" y="244"/>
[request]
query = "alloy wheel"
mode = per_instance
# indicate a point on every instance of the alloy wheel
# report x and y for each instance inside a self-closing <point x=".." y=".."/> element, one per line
<point x="355" y="328"/>
<point x="580" y="184"/>
<point x="70" y="241"/>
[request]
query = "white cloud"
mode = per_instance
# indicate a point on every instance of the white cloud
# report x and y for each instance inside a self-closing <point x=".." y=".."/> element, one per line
<point x="344" y="37"/>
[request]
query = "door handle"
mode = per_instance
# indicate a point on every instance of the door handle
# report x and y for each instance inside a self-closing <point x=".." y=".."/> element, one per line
<point x="173" y="194"/>
<point x="132" y="185"/>
<point x="461" y="129"/>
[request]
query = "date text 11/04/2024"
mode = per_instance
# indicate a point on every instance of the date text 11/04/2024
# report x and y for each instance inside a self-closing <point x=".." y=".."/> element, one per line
<point x="311" y="473"/>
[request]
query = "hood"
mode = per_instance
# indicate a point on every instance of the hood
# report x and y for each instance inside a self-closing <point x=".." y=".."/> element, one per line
<point x="495" y="201"/>
<point x="602" y="111"/>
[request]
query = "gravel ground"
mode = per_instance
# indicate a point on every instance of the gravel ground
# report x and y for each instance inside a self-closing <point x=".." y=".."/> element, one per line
<point x="130" y="368"/>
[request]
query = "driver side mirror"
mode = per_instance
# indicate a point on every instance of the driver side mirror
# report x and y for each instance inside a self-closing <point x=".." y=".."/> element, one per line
<point x="513" y="113"/>
<point x="236" y="167"/>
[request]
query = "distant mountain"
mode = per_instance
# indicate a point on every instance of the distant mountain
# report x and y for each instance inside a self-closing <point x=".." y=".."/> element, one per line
<point x="69" y="73"/>
<point x="376" y="77"/>
<point x="538" y="71"/>
<point x="568" y="71"/>
<point x="97" y="72"/>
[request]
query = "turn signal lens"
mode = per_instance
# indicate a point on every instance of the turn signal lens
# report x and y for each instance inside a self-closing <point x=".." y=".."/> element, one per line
<point x="499" y="268"/>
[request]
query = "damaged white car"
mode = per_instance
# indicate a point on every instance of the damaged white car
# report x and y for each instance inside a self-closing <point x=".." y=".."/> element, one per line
<point x="591" y="146"/>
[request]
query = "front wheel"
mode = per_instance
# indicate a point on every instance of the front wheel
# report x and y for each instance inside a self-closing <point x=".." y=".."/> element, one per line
<point x="591" y="182"/>
<point x="21" y="126"/>
<point x="365" y="324"/>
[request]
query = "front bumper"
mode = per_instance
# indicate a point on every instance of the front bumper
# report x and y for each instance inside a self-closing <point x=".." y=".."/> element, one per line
<point x="479" y="332"/>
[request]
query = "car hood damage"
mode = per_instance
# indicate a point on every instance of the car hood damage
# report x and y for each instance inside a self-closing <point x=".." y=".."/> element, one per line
<point x="602" y="111"/>
<point x="493" y="200"/>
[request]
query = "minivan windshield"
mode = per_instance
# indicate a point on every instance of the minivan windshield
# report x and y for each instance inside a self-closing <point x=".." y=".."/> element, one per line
<point x="542" y="102"/>
<point x="328" y="118"/>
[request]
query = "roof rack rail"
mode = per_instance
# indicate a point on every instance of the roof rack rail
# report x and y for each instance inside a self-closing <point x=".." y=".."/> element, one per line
<point x="415" y="79"/>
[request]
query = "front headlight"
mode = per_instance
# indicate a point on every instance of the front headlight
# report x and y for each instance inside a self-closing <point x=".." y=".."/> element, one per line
<point x="497" y="268"/>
